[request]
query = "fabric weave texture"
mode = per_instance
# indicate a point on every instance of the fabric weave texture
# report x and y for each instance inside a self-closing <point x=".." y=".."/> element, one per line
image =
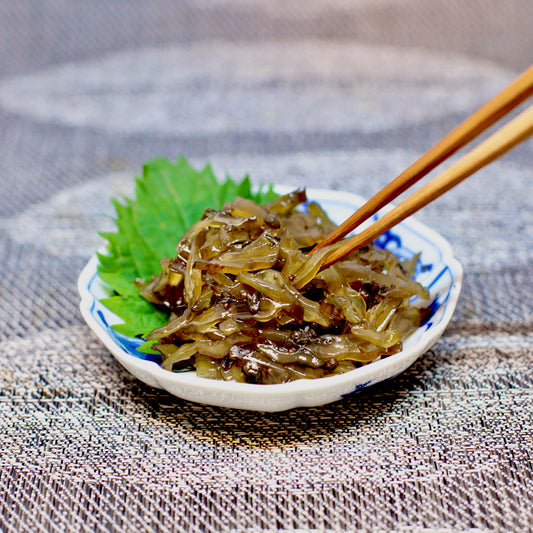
<point x="332" y="94"/>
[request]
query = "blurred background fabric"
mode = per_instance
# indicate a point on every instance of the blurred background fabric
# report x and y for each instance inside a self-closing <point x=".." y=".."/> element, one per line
<point x="335" y="94"/>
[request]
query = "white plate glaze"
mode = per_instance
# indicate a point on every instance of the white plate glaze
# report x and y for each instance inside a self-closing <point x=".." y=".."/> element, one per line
<point x="438" y="271"/>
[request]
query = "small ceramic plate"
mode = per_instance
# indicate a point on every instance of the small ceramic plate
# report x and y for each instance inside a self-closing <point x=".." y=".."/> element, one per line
<point x="437" y="270"/>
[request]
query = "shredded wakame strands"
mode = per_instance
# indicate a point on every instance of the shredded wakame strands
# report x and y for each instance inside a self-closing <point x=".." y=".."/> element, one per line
<point x="248" y="304"/>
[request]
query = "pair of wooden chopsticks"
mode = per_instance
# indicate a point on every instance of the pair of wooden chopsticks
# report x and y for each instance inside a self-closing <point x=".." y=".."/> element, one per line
<point x="497" y="144"/>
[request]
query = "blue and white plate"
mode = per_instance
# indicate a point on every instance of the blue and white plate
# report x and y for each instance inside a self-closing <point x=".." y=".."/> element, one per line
<point x="437" y="270"/>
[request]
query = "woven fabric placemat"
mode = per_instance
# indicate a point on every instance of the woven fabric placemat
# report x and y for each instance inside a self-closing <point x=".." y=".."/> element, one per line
<point x="339" y="95"/>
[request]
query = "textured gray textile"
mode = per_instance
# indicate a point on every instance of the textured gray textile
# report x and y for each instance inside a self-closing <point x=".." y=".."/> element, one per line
<point x="339" y="94"/>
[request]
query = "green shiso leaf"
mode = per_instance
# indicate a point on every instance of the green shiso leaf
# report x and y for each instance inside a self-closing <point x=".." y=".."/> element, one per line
<point x="169" y="198"/>
<point x="143" y="316"/>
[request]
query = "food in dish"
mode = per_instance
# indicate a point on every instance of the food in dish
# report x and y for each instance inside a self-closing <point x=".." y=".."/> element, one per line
<point x="248" y="304"/>
<point x="121" y="332"/>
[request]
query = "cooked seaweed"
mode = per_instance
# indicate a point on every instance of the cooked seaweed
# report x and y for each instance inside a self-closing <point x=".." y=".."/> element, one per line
<point x="249" y="304"/>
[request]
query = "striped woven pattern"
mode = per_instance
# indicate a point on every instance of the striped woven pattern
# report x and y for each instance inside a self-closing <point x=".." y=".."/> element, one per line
<point x="330" y="94"/>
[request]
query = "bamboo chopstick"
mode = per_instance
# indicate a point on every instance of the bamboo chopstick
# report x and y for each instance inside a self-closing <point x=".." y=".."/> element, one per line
<point x="497" y="144"/>
<point x="514" y="94"/>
